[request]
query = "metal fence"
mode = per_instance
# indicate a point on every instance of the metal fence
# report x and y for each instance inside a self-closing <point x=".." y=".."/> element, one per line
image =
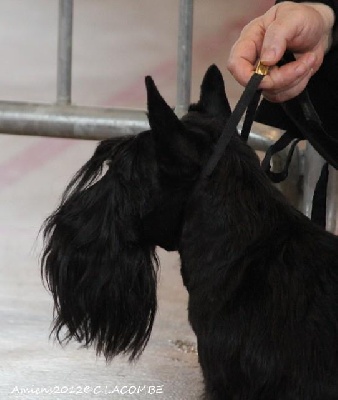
<point x="63" y="119"/>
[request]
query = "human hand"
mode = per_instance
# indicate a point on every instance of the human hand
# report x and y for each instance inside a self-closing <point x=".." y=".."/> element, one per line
<point x="303" y="28"/>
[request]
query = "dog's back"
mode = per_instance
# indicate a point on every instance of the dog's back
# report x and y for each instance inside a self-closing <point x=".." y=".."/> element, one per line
<point x="263" y="286"/>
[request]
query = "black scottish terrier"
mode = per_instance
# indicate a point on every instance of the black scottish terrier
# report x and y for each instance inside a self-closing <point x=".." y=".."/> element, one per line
<point x="262" y="278"/>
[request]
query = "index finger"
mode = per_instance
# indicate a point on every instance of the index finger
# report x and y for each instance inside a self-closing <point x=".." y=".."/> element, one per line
<point x="242" y="60"/>
<point x="246" y="50"/>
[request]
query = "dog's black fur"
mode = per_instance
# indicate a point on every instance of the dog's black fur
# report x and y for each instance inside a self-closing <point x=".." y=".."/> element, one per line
<point x="262" y="279"/>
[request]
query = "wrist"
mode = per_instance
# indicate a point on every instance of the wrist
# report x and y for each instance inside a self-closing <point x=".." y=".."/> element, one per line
<point x="326" y="13"/>
<point x="328" y="17"/>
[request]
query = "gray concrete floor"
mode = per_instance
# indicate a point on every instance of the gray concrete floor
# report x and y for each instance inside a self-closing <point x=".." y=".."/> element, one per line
<point x="116" y="43"/>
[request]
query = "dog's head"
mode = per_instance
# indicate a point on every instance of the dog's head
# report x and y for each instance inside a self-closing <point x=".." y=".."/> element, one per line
<point x="99" y="258"/>
<point x="182" y="148"/>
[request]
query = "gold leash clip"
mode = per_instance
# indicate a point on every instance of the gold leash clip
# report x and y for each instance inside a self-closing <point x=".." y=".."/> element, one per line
<point x="261" y="69"/>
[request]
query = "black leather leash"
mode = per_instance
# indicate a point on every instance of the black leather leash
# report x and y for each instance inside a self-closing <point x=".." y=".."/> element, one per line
<point x="279" y="145"/>
<point x="318" y="211"/>
<point x="247" y="102"/>
<point x="307" y="125"/>
<point x="301" y="111"/>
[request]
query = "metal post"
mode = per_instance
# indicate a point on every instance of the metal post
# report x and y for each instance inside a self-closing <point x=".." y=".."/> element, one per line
<point x="312" y="168"/>
<point x="332" y="201"/>
<point x="64" y="60"/>
<point x="184" y="56"/>
<point x="313" y="164"/>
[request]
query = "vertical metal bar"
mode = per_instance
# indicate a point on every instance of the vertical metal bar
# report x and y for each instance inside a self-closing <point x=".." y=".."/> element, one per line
<point x="332" y="201"/>
<point x="312" y="168"/>
<point x="313" y="164"/>
<point x="185" y="29"/>
<point x="64" y="61"/>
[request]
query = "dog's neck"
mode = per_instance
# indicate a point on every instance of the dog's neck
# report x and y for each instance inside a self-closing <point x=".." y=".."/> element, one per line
<point x="245" y="193"/>
<point x="229" y="212"/>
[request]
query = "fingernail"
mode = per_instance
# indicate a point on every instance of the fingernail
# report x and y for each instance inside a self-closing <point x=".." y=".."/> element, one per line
<point x="268" y="56"/>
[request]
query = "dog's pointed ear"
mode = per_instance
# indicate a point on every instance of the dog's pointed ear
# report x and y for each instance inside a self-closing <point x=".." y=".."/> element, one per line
<point x="177" y="153"/>
<point x="162" y="118"/>
<point x="213" y="99"/>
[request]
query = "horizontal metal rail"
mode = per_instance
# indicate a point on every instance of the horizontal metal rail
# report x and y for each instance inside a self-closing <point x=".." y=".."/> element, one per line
<point x="69" y="121"/>
<point x="96" y="123"/>
<point x="102" y="123"/>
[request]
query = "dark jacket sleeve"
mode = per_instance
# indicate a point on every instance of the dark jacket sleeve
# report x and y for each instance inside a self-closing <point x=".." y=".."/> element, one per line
<point x="322" y="87"/>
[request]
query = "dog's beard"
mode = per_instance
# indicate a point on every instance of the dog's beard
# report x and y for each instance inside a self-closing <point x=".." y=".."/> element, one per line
<point x="102" y="277"/>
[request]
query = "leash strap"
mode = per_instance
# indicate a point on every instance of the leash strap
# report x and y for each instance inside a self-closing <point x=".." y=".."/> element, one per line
<point x="302" y="113"/>
<point x="230" y="128"/>
<point x="318" y="213"/>
<point x="249" y="102"/>
<point x="280" y="144"/>
<point x="311" y="127"/>
<point x="250" y="115"/>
